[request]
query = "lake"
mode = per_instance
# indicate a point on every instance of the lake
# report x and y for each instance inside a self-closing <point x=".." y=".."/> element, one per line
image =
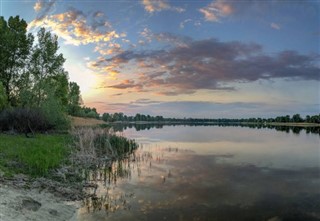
<point x="211" y="173"/>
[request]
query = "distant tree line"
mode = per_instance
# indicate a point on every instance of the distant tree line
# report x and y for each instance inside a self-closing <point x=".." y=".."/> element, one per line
<point x="124" y="118"/>
<point x="35" y="93"/>
<point x="296" y="118"/>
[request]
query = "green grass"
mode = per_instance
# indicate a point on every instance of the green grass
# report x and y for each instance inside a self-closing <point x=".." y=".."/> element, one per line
<point x="33" y="156"/>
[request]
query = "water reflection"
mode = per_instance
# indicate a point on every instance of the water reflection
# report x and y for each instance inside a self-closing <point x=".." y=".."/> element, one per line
<point x="138" y="127"/>
<point x="229" y="174"/>
<point x="103" y="180"/>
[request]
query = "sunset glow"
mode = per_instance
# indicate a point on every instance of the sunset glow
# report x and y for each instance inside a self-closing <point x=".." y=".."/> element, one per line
<point x="211" y="58"/>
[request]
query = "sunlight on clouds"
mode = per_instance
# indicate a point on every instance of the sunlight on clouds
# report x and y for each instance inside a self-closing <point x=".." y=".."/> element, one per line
<point x="158" y="5"/>
<point x="108" y="49"/>
<point x="216" y="10"/>
<point x="109" y="71"/>
<point x="76" y="27"/>
<point x="37" y="7"/>
<point x="152" y="6"/>
<point x="137" y="62"/>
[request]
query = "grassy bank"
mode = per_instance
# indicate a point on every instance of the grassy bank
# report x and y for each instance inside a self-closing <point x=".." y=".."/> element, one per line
<point x="33" y="156"/>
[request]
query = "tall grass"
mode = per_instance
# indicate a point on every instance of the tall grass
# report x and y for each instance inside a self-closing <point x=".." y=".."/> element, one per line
<point x="94" y="144"/>
<point x="84" y="148"/>
<point x="34" y="156"/>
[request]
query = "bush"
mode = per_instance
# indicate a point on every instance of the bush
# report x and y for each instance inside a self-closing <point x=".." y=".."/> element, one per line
<point x="30" y="120"/>
<point x="24" y="120"/>
<point x="55" y="114"/>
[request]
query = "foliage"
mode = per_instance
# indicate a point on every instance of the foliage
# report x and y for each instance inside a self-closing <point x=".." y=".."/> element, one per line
<point x="138" y="117"/>
<point x="15" y="46"/>
<point x="46" y="68"/>
<point x="88" y="112"/>
<point x="33" y="156"/>
<point x="24" y="120"/>
<point x="3" y="97"/>
<point x="32" y="75"/>
<point x="54" y="113"/>
<point x="74" y="99"/>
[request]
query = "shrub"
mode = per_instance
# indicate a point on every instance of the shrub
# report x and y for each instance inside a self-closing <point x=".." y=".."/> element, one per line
<point x="24" y="120"/>
<point x="55" y="114"/>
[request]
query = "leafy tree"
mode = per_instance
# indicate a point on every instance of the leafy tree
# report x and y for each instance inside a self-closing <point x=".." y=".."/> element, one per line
<point x="60" y="86"/>
<point x="74" y="99"/>
<point x="15" y="46"/>
<point x="106" y="117"/>
<point x="296" y="118"/>
<point x="54" y="111"/>
<point x="46" y="67"/>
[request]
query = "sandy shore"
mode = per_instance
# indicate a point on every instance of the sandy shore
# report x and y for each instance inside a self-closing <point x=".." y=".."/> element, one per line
<point x="22" y="205"/>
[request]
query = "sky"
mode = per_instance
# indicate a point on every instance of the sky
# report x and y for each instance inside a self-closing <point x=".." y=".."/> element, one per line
<point x="186" y="58"/>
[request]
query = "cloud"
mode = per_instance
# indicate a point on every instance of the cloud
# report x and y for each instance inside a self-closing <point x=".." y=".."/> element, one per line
<point x="152" y="6"/>
<point x="126" y="84"/>
<point x="43" y="7"/>
<point x="37" y="7"/>
<point x="164" y="37"/>
<point x="183" y="23"/>
<point x="108" y="49"/>
<point x="76" y="27"/>
<point x="275" y="26"/>
<point x="251" y="9"/>
<point x="209" y="64"/>
<point x="187" y="108"/>
<point x="216" y="10"/>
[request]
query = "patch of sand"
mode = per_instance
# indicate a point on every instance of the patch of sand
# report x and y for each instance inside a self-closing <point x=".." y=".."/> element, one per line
<point x="23" y="205"/>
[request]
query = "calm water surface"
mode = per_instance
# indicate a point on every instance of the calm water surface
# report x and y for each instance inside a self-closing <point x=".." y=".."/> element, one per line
<point x="211" y="173"/>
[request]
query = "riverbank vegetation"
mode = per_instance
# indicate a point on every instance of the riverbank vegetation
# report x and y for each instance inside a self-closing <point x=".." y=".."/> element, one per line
<point x="37" y="137"/>
<point x="33" y="81"/>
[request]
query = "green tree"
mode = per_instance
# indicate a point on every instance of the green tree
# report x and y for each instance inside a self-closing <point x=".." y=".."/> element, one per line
<point x="15" y="46"/>
<point x="46" y="66"/>
<point x="106" y="117"/>
<point x="54" y="111"/>
<point x="296" y="118"/>
<point x="60" y="86"/>
<point x="74" y="99"/>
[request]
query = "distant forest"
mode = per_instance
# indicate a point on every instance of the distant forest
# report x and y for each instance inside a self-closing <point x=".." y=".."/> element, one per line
<point x="296" y="118"/>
